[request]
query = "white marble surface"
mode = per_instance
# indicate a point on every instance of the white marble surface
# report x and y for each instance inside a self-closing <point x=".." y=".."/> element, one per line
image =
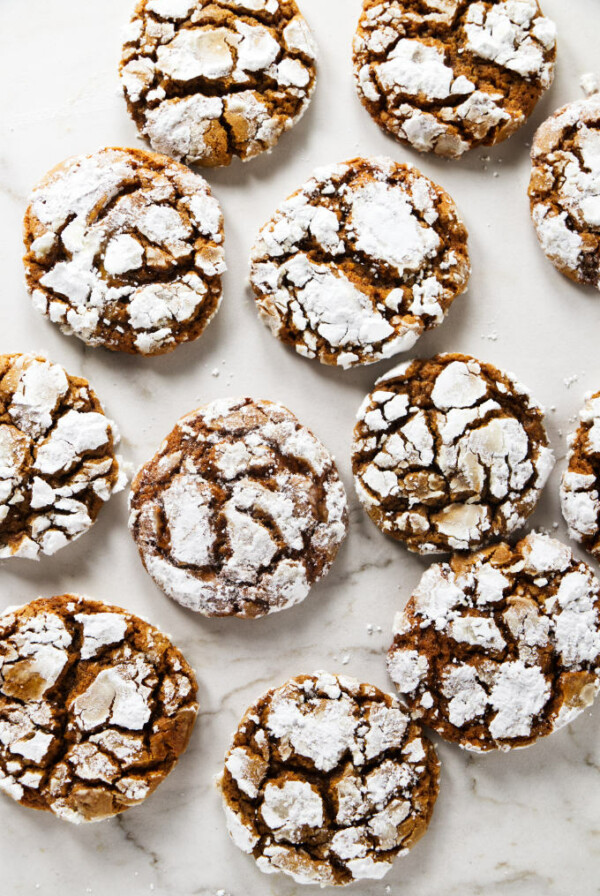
<point x="526" y="824"/>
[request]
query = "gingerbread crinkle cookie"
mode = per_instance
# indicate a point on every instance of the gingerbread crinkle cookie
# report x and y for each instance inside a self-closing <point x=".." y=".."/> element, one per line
<point x="359" y="262"/>
<point x="57" y="457"/>
<point x="328" y="781"/>
<point x="499" y="648"/>
<point x="580" y="483"/>
<point x="564" y="189"/>
<point x="445" y="76"/>
<point x="96" y="706"/>
<point x="449" y="454"/>
<point x="124" y="249"/>
<point x="207" y="80"/>
<point x="241" y="510"/>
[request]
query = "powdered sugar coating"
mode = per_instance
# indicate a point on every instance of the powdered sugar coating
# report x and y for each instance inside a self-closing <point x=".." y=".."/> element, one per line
<point x="449" y="453"/>
<point x="564" y="189"/>
<point x="212" y="79"/>
<point x="359" y="262"/>
<point x="125" y="250"/>
<point x="95" y="707"/>
<point x="448" y="76"/>
<point x="327" y="781"/>
<point x="499" y="648"/>
<point x="57" y="457"/>
<point x="240" y="511"/>
<point x="580" y="483"/>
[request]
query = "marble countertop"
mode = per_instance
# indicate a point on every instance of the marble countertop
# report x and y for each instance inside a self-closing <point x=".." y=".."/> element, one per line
<point x="526" y="824"/>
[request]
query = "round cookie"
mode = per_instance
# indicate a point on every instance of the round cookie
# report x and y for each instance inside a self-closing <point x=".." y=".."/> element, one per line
<point x="57" y="457"/>
<point x="445" y="76"/>
<point x="580" y="483"/>
<point x="449" y="453"/>
<point x="327" y="780"/>
<point x="564" y="189"/>
<point x="241" y="510"/>
<point x="96" y="706"/>
<point x="499" y="648"/>
<point x="359" y="262"/>
<point x="124" y="249"/>
<point x="207" y="80"/>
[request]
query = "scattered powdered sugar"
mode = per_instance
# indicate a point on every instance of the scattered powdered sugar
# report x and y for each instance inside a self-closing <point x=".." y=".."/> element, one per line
<point x="102" y="232"/>
<point x="486" y="680"/>
<point x="249" y="511"/>
<point x="320" y="741"/>
<point x="456" y="464"/>
<point x="589" y="83"/>
<point x="361" y="260"/>
<point x="57" y="461"/>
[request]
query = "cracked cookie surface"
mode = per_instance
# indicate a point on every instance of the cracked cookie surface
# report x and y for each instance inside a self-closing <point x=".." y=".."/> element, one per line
<point x="445" y="76"/>
<point x="449" y="453"/>
<point x="328" y="780"/>
<point x="359" y="262"/>
<point x="580" y="483"/>
<point x="207" y="80"/>
<point x="124" y="249"/>
<point x="96" y="706"/>
<point x="499" y="648"/>
<point x="57" y="457"/>
<point x="241" y="510"/>
<point x="564" y="189"/>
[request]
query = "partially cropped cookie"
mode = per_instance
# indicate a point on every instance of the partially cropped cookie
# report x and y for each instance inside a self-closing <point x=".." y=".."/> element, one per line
<point x="57" y="457"/>
<point x="124" y="249"/>
<point x="328" y="781"/>
<point x="96" y="707"/>
<point x="445" y="76"/>
<point x="241" y="510"/>
<point x="207" y="80"/>
<point x="499" y="648"/>
<point x="565" y="189"/>
<point x="580" y="484"/>
<point x="359" y="262"/>
<point x="449" y="454"/>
